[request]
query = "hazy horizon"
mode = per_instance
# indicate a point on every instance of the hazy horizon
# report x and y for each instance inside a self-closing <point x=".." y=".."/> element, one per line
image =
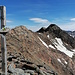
<point x="36" y="14"/>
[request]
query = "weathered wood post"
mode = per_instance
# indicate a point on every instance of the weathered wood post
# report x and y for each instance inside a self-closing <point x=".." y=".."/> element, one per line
<point x="3" y="40"/>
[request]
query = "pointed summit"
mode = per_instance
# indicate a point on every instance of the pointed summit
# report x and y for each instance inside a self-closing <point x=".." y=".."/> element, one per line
<point x="49" y="28"/>
<point x="52" y="27"/>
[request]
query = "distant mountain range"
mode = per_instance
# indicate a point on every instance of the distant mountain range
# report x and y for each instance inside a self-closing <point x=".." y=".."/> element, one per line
<point x="49" y="51"/>
<point x="71" y="33"/>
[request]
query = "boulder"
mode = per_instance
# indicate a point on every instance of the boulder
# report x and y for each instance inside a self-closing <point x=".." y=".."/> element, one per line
<point x="13" y="70"/>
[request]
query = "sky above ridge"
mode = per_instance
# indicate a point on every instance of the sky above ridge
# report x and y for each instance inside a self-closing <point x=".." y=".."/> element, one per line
<point x="35" y="14"/>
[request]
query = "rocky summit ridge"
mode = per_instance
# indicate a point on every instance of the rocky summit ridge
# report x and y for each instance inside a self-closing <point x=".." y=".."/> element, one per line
<point x="49" y="51"/>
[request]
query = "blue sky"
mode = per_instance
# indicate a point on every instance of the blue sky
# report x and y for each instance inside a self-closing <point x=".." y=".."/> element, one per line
<point x="35" y="14"/>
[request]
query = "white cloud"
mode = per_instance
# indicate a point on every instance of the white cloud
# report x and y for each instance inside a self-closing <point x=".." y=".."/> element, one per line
<point x="65" y="23"/>
<point x="9" y="21"/>
<point x="72" y="19"/>
<point x="33" y="28"/>
<point x="39" y="20"/>
<point x="39" y="23"/>
<point x="68" y="26"/>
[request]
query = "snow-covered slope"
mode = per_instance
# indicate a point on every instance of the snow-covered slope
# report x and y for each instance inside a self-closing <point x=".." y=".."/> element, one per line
<point x="58" y="43"/>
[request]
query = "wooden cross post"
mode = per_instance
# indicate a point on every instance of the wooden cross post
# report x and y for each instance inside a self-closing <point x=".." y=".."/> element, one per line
<point x="3" y="40"/>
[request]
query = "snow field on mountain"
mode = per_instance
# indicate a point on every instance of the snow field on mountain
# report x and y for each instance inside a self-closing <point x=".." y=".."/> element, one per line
<point x="58" y="43"/>
<point x="60" y="46"/>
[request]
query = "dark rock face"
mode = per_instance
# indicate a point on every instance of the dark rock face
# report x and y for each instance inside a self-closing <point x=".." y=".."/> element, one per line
<point x="52" y="28"/>
<point x="42" y="30"/>
<point x="57" y="32"/>
<point x="36" y="53"/>
<point x="63" y="35"/>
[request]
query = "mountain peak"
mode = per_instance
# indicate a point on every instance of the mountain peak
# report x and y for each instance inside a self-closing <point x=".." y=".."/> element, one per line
<point x="21" y="27"/>
<point x="49" y="28"/>
<point x="40" y="53"/>
<point x="52" y="27"/>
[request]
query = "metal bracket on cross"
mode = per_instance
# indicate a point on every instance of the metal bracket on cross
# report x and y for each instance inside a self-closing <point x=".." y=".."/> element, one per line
<point x="4" y="31"/>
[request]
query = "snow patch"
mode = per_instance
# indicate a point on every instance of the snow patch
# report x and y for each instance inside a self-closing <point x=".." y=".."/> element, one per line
<point x="43" y="42"/>
<point x="52" y="46"/>
<point x="60" y="46"/>
<point x="73" y="50"/>
<point x="64" y="61"/>
<point x="60" y="61"/>
<point x="39" y="33"/>
<point x="48" y="36"/>
<point x="72" y="36"/>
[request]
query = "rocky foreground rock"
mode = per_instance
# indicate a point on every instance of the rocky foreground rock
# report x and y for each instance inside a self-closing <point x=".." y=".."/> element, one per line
<point x="40" y="53"/>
